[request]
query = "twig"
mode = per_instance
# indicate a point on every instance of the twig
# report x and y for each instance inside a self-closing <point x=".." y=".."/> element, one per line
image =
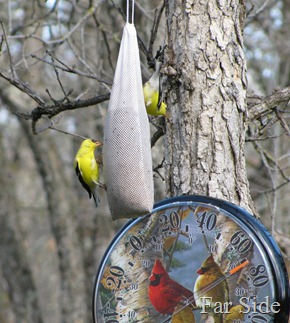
<point x="60" y="84"/>
<point x="48" y="125"/>
<point x="69" y="69"/>
<point x="160" y="130"/>
<point x="8" y="48"/>
<point x="105" y="40"/>
<point x="154" y="31"/>
<point x="282" y="121"/>
<point x="250" y="139"/>
<point x="258" y="11"/>
<point x="158" y="134"/>
<point x="23" y="87"/>
<point x="47" y="14"/>
<point x="159" y="166"/>
<point x="67" y="133"/>
<point x="89" y="13"/>
<point x="265" y="155"/>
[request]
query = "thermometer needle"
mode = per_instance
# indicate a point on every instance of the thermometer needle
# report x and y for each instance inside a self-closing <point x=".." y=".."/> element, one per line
<point x="210" y="286"/>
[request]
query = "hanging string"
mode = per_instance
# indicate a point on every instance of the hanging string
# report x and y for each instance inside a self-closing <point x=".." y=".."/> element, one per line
<point x="128" y="10"/>
<point x="133" y="5"/>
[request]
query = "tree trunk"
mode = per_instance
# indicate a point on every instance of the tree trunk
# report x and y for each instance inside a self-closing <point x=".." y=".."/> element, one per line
<point x="72" y="300"/>
<point x="205" y="70"/>
<point x="15" y="267"/>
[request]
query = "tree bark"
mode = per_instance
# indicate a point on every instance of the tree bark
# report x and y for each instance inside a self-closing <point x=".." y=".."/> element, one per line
<point x="205" y="70"/>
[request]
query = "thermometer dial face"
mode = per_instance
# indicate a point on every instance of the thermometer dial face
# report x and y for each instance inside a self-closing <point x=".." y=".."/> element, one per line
<point x="193" y="259"/>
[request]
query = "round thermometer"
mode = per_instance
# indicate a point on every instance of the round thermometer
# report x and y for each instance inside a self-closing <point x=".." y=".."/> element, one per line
<point x="192" y="259"/>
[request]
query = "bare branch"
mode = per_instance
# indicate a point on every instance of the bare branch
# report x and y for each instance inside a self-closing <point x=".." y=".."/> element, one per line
<point x="282" y="121"/>
<point x="156" y="136"/>
<point x="159" y="166"/>
<point x="8" y="49"/>
<point x="59" y="107"/>
<point x="154" y="31"/>
<point x="50" y="125"/>
<point x="49" y="110"/>
<point x="18" y="28"/>
<point x="160" y="130"/>
<point x="23" y="87"/>
<point x="64" y="67"/>
<point x="66" y="95"/>
<point x="267" y="158"/>
<point x="259" y="10"/>
<point x="89" y="13"/>
<point x="105" y="40"/>
<point x="265" y="138"/>
<point x="268" y="104"/>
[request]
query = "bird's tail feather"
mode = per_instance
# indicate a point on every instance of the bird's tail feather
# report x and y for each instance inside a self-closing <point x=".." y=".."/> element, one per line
<point x="96" y="199"/>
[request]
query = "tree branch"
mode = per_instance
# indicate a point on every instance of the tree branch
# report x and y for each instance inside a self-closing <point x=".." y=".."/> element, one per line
<point x="64" y="67"/>
<point x="259" y="107"/>
<point x="49" y="110"/>
<point x="154" y="31"/>
<point x="55" y="109"/>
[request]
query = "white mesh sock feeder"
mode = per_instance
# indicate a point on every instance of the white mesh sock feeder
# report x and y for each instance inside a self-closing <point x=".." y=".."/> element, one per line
<point x="127" y="152"/>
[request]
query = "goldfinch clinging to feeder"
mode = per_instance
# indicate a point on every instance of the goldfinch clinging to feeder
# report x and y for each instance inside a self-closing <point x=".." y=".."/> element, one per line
<point x="87" y="167"/>
<point x="151" y="91"/>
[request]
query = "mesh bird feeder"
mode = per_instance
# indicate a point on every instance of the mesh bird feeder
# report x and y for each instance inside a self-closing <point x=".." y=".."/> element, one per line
<point x="126" y="147"/>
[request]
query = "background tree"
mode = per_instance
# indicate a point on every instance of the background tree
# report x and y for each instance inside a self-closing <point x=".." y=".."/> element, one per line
<point x="227" y="130"/>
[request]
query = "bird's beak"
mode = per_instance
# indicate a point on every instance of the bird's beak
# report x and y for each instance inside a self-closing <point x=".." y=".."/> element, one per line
<point x="151" y="277"/>
<point x="200" y="271"/>
<point x="97" y="143"/>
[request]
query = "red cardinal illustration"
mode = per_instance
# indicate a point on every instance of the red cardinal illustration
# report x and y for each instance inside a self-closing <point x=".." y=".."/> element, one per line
<point x="165" y="293"/>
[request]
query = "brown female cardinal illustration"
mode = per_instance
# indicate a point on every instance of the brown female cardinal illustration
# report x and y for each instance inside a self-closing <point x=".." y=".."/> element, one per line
<point x="165" y="293"/>
<point x="210" y="272"/>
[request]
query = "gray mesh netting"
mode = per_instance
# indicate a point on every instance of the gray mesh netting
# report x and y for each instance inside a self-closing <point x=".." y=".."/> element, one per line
<point x="126" y="151"/>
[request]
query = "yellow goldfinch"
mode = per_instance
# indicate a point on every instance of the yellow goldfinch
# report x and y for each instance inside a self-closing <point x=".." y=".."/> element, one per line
<point x="87" y="168"/>
<point x="151" y="91"/>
